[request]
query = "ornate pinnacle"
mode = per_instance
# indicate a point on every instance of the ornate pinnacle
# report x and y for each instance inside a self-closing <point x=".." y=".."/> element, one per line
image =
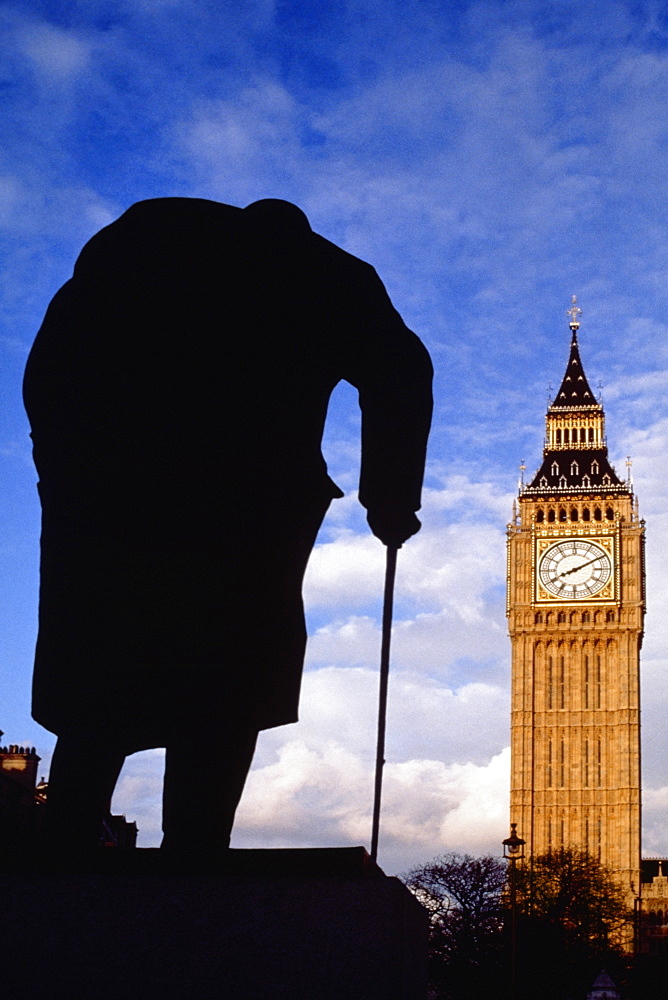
<point x="574" y="312"/>
<point x="522" y="471"/>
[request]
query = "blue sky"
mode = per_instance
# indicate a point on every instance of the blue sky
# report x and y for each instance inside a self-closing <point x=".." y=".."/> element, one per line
<point x="490" y="160"/>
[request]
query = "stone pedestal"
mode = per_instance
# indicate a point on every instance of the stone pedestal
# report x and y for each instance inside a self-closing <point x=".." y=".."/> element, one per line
<point x="268" y="925"/>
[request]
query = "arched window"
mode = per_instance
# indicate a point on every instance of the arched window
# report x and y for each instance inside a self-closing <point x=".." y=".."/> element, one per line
<point x="583" y="435"/>
<point x="566" y="436"/>
<point x="551" y="516"/>
<point x="562" y="511"/>
<point x="574" y="513"/>
<point x="610" y="616"/>
<point x="574" y="469"/>
<point x="558" y="435"/>
<point x="586" y="617"/>
<point x="591" y="435"/>
<point x="598" y="516"/>
<point x="562" y="482"/>
<point x="561" y="617"/>
<point x="594" y="468"/>
<point x="586" y="481"/>
<point x="585" y="513"/>
<point x="538" y="617"/>
<point x="599" y="764"/>
<point x="555" y="469"/>
<point x="606" y="480"/>
<point x="597" y="617"/>
<point x="540" y="515"/>
<point x="548" y="618"/>
<point x="609" y="514"/>
<point x="597" y="681"/>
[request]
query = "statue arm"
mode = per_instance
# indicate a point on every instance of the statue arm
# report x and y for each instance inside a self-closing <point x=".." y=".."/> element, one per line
<point x="393" y="375"/>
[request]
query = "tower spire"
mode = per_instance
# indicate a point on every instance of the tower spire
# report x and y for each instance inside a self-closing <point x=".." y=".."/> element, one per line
<point x="575" y="454"/>
<point x="574" y="390"/>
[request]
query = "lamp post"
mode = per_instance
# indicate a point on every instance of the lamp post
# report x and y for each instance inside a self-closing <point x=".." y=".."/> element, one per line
<point x="513" y="851"/>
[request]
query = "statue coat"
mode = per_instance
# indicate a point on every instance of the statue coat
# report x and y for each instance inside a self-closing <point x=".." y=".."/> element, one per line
<point x="177" y="392"/>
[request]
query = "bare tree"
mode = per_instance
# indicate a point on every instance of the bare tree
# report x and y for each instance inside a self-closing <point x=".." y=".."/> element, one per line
<point x="463" y="896"/>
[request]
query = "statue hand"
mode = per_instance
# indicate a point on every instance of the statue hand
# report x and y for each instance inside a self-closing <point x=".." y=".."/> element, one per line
<point x="392" y="528"/>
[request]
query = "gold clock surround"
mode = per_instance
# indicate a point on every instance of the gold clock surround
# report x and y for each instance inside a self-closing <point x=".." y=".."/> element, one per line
<point x="606" y="594"/>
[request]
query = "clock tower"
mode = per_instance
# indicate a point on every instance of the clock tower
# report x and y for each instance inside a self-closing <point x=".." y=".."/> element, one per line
<point x="576" y="604"/>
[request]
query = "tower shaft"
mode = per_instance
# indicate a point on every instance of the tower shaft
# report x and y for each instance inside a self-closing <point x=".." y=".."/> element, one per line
<point x="575" y="610"/>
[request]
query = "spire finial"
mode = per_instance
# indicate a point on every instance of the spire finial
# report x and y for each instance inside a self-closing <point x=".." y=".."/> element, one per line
<point x="574" y="312"/>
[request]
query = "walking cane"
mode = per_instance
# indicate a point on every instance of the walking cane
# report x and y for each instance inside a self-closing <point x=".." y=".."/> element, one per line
<point x="388" y="597"/>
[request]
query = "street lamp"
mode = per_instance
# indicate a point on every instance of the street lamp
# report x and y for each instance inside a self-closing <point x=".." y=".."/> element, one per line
<point x="513" y="851"/>
<point x="513" y="845"/>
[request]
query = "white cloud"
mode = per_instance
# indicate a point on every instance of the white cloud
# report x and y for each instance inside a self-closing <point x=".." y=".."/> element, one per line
<point x="309" y="796"/>
<point x="448" y="595"/>
<point x="305" y="789"/>
<point x="468" y="497"/>
<point x="456" y="557"/>
<point x="13" y="197"/>
<point x="58" y="56"/>
<point x="237" y="147"/>
<point x="654" y="810"/>
<point x="138" y="795"/>
<point x="99" y="212"/>
<point x="453" y="566"/>
<point x="347" y="570"/>
<point x="431" y="644"/>
<point x="426" y="718"/>
<point x="432" y="808"/>
<point x="351" y="642"/>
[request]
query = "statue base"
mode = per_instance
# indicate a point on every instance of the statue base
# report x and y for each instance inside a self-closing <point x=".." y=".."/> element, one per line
<point x="273" y="924"/>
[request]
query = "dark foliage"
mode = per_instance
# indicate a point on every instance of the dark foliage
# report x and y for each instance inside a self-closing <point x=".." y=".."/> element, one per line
<point x="571" y="921"/>
<point x="464" y="898"/>
<point x="572" y="889"/>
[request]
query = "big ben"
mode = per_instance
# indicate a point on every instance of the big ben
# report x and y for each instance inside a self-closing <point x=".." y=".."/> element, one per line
<point x="576" y="607"/>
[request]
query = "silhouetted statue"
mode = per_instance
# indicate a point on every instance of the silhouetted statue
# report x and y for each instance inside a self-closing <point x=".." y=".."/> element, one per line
<point x="177" y="392"/>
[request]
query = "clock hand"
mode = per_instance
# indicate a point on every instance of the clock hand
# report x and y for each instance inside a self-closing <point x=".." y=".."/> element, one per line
<point x="575" y="569"/>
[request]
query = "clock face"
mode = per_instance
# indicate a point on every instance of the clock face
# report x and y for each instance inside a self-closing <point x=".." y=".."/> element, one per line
<point x="574" y="569"/>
